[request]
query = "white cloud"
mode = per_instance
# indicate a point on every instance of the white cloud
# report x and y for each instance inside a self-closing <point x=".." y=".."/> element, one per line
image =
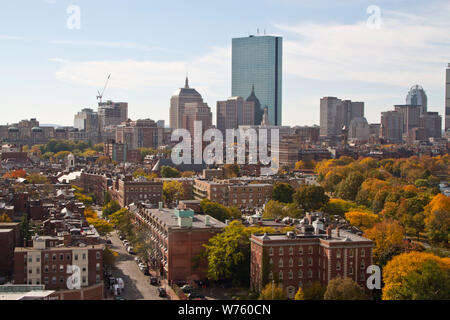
<point x="405" y="50"/>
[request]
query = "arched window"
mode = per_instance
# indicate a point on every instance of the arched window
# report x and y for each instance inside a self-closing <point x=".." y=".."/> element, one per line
<point x="300" y="274"/>
<point x="310" y="273"/>
<point x="281" y="251"/>
<point x="280" y="263"/>
<point x="291" y="262"/>
<point x="271" y="261"/>
<point x="300" y="250"/>
<point x="338" y="265"/>
<point x="310" y="261"/>
<point x="280" y="275"/>
<point x="270" y="251"/>
<point x="270" y="275"/>
<point x="291" y="275"/>
<point x="300" y="262"/>
<point x="338" y="253"/>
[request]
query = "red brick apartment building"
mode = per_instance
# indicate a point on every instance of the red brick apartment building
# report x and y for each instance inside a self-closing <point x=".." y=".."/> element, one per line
<point x="92" y="182"/>
<point x="237" y="195"/>
<point x="296" y="260"/>
<point x="127" y="191"/>
<point x="42" y="265"/>
<point x="176" y="237"/>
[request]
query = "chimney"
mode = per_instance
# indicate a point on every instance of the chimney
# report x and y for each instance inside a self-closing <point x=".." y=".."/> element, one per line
<point x="329" y="232"/>
<point x="207" y="222"/>
<point x="338" y="233"/>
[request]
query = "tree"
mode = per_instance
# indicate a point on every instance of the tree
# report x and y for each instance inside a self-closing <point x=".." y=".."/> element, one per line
<point x="282" y="192"/>
<point x="416" y="275"/>
<point x="25" y="227"/>
<point x="306" y="164"/>
<point x="388" y="239"/>
<point x="309" y="197"/>
<point x="338" y="207"/>
<point x="315" y="291"/>
<point x="300" y="295"/>
<point x="272" y="291"/>
<point x="110" y="208"/>
<point x="215" y="210"/>
<point x="103" y="227"/>
<point x="169" y="172"/>
<point x="172" y="191"/>
<point x="20" y="173"/>
<point x="36" y="178"/>
<point x="228" y="253"/>
<point x="437" y="220"/>
<point x="187" y="174"/>
<point x="362" y="219"/>
<point x="98" y="147"/>
<point x="5" y="218"/>
<point x="273" y="210"/>
<point x="344" y="289"/>
<point x="123" y="221"/>
<point x="103" y="160"/>
<point x="348" y="188"/>
<point x="89" y="213"/>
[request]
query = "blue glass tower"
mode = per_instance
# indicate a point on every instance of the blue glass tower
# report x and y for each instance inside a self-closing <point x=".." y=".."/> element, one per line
<point x="257" y="61"/>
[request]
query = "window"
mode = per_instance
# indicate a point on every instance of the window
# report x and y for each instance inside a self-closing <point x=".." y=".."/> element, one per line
<point x="362" y="277"/>
<point x="300" y="284"/>
<point x="291" y="275"/>
<point x="291" y="251"/>
<point x="280" y="263"/>
<point x="350" y="253"/>
<point x="38" y="259"/>
<point x="46" y="257"/>
<point x="30" y="259"/>
<point x="270" y="251"/>
<point x="270" y="275"/>
<point x="300" y="262"/>
<point x="280" y="275"/>
<point x="53" y="280"/>
<point x="61" y="256"/>
<point x="98" y="255"/>
<point x="280" y="251"/>
<point x="83" y="269"/>
<point x="350" y="270"/>
<point x="310" y="250"/>
<point x="38" y="270"/>
<point x="338" y="265"/>
<point x="68" y="256"/>
<point x="84" y="256"/>
<point x="310" y="273"/>
<point x="30" y="271"/>
<point x="338" y="253"/>
<point x="300" y="274"/>
<point x="363" y="264"/>
<point x="291" y="262"/>
<point x="84" y="279"/>
<point x="61" y="268"/>
<point x="363" y="253"/>
<point x="54" y="257"/>
<point x="97" y="266"/>
<point x="61" y="279"/>
<point x="76" y="257"/>
<point x="300" y="250"/>
<point x="310" y="262"/>
<point x="46" y="280"/>
<point x="46" y="269"/>
<point x="97" y="278"/>
<point x="54" y="268"/>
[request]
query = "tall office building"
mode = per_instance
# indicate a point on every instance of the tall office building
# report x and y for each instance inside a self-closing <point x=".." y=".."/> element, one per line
<point x="112" y="113"/>
<point x="432" y="123"/>
<point x="336" y="113"/>
<point x="417" y="97"/>
<point x="235" y="112"/>
<point x="257" y="61"/>
<point x="196" y="111"/>
<point x="391" y="128"/>
<point x="178" y="101"/>
<point x="411" y="116"/>
<point x="86" y="120"/>
<point x="447" y="99"/>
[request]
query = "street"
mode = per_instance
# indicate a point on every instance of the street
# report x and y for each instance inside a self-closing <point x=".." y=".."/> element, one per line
<point x="137" y="286"/>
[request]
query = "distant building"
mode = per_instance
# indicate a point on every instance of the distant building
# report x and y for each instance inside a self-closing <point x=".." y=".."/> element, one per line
<point x="391" y="128"/>
<point x="447" y="98"/>
<point x="432" y="123"/>
<point x="128" y="190"/>
<point x="257" y="61"/>
<point x="178" y="101"/>
<point x="235" y="112"/>
<point x="411" y="116"/>
<point x="336" y="113"/>
<point x="359" y="130"/>
<point x="112" y="113"/>
<point x="86" y="120"/>
<point x="195" y="111"/>
<point x="417" y="97"/>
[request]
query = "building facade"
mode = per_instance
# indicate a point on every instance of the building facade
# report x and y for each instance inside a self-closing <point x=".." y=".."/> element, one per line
<point x="235" y="112"/>
<point x="178" y="101"/>
<point x="257" y="63"/>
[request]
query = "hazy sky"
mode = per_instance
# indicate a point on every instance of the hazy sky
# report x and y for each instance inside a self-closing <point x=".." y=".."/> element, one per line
<point x="50" y="71"/>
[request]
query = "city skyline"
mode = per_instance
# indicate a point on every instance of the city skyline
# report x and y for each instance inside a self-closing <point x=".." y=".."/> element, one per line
<point x="60" y="70"/>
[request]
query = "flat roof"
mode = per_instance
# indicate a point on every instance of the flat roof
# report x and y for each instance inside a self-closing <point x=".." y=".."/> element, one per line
<point x="167" y="217"/>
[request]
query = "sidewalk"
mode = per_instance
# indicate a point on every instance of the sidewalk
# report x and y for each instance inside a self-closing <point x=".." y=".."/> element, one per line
<point x="165" y="284"/>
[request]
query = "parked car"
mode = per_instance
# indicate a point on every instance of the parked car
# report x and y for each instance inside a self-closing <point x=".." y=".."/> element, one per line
<point x="146" y="271"/>
<point x="108" y="241"/>
<point x="121" y="237"/>
<point x="187" y="288"/>
<point x="161" y="292"/>
<point x="154" y="281"/>
<point x="195" y="295"/>
<point x="131" y="250"/>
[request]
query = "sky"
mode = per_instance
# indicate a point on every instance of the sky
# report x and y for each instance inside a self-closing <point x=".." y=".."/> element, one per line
<point x="53" y="60"/>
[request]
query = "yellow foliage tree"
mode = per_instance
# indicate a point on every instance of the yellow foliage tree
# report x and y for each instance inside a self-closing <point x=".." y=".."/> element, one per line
<point x="387" y="236"/>
<point x="272" y="291"/>
<point x="299" y="295"/>
<point x="361" y="219"/>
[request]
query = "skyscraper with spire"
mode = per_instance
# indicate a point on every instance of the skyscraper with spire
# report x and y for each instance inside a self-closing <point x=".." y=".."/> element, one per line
<point x="178" y="101"/>
<point x="257" y="64"/>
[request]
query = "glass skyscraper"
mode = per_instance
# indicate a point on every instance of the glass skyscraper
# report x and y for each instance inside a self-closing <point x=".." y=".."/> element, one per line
<point x="257" y="61"/>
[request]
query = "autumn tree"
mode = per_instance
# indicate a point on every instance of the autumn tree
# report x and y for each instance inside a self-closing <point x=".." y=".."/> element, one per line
<point x="388" y="239"/>
<point x="310" y="197"/>
<point x="300" y="295"/>
<point x="102" y="226"/>
<point x="437" y="220"/>
<point x="362" y="219"/>
<point x="5" y="218"/>
<point x="344" y="289"/>
<point x="348" y="188"/>
<point x="416" y="275"/>
<point x="314" y="291"/>
<point x="273" y="210"/>
<point x="172" y="191"/>
<point x="89" y="213"/>
<point x="110" y="208"/>
<point x="272" y="291"/>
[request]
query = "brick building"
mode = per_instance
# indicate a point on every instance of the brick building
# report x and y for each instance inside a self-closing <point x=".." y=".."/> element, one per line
<point x="94" y="183"/>
<point x="126" y="191"/>
<point x="177" y="237"/>
<point x="49" y="265"/>
<point x="296" y="260"/>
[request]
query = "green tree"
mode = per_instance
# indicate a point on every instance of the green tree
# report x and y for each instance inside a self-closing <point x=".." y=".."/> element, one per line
<point x="344" y="289"/>
<point x="310" y="197"/>
<point x="273" y="210"/>
<point x="282" y="192"/>
<point x="25" y="227"/>
<point x="110" y="208"/>
<point x="348" y="188"/>
<point x="169" y="172"/>
<point x="315" y="291"/>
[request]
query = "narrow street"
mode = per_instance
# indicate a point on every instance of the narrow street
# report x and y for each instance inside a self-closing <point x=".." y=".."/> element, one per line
<point x="137" y="285"/>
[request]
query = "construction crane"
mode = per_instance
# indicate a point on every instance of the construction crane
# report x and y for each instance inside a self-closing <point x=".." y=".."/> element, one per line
<point x="100" y="95"/>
